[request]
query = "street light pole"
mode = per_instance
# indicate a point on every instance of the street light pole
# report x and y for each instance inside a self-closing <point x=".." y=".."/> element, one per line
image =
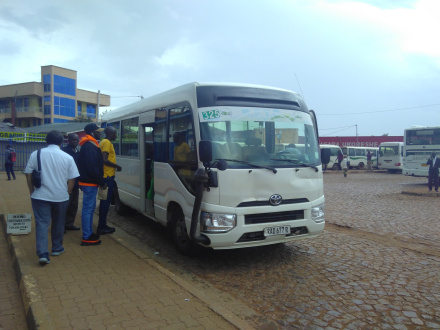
<point x="357" y="144"/>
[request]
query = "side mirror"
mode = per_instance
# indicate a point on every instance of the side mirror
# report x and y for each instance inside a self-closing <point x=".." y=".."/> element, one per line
<point x="205" y="151"/>
<point x="325" y="156"/>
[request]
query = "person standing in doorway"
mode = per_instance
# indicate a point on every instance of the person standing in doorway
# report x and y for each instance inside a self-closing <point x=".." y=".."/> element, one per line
<point x="369" y="162"/>
<point x="110" y="168"/>
<point x="11" y="157"/>
<point x="72" y="149"/>
<point x="433" y="172"/>
<point x="340" y="157"/>
<point x="91" y="176"/>
<point x="49" y="202"/>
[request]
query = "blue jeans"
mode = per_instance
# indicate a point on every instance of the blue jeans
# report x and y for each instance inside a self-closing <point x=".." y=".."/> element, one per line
<point x="88" y="207"/>
<point x="49" y="213"/>
<point x="104" y="205"/>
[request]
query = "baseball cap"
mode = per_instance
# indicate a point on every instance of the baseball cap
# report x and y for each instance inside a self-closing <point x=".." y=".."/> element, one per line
<point x="92" y="127"/>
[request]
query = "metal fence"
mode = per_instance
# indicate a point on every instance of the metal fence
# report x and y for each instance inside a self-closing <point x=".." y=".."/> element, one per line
<point x="23" y="143"/>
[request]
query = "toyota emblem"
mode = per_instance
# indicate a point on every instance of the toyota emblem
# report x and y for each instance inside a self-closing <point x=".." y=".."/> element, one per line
<point x="275" y="199"/>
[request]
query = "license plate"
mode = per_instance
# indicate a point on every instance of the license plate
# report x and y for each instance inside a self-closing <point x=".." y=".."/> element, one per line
<point x="281" y="230"/>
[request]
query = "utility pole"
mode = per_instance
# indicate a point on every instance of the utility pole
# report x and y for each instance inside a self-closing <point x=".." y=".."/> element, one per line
<point x="97" y="107"/>
<point x="357" y="144"/>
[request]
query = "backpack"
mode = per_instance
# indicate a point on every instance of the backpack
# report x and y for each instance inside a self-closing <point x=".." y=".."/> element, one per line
<point x="12" y="156"/>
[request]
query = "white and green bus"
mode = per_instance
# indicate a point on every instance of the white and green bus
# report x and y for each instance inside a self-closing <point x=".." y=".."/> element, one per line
<point x="334" y="149"/>
<point x="219" y="165"/>
<point x="357" y="156"/>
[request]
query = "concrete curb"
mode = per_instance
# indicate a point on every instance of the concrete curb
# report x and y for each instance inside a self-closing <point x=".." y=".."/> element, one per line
<point x="37" y="315"/>
<point x="423" y="194"/>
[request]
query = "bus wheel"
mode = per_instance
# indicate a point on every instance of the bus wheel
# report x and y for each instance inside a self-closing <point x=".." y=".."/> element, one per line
<point x="335" y="167"/>
<point x="361" y="166"/>
<point x="121" y="208"/>
<point x="179" y="234"/>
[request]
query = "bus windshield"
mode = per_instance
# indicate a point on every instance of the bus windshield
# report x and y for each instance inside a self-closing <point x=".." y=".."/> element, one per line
<point x="263" y="136"/>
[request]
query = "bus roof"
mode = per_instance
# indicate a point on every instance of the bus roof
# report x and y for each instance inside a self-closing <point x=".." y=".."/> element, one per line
<point x="179" y="94"/>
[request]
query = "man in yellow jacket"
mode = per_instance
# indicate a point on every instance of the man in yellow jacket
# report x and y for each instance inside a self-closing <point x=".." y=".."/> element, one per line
<point x="110" y="168"/>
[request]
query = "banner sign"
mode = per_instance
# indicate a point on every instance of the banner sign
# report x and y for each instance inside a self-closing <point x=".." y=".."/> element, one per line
<point x="22" y="137"/>
<point x="359" y="141"/>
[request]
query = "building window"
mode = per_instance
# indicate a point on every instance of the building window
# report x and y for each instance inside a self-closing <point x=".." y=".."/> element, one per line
<point x="64" y="106"/>
<point x="47" y="110"/>
<point x="59" y="120"/>
<point x="47" y="99"/>
<point x="47" y="120"/>
<point x="46" y="82"/>
<point x="79" y="109"/>
<point x="91" y="110"/>
<point x="64" y="85"/>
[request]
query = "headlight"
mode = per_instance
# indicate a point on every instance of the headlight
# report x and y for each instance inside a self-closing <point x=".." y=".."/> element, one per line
<point x="217" y="222"/>
<point x="318" y="213"/>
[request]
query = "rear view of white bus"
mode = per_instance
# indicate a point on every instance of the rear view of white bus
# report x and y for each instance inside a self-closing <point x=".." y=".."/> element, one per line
<point x="390" y="156"/>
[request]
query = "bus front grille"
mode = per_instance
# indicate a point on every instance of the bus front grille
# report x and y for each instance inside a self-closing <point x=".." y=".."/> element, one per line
<point x="251" y="219"/>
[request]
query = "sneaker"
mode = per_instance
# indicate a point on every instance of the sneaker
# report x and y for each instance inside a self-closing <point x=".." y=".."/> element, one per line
<point x="71" y="228"/>
<point x="57" y="253"/>
<point x="106" y="230"/>
<point x="44" y="260"/>
<point x="92" y="240"/>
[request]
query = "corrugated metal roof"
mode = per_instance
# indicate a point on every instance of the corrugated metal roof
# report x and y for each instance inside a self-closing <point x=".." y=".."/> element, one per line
<point x="64" y="128"/>
<point x="7" y="127"/>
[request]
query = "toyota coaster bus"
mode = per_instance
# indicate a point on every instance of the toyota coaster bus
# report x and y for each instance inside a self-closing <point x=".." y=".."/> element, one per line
<point x="222" y="165"/>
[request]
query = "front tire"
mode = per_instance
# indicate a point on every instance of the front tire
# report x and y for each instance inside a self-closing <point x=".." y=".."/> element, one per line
<point x="120" y="207"/>
<point x="179" y="234"/>
<point x="361" y="166"/>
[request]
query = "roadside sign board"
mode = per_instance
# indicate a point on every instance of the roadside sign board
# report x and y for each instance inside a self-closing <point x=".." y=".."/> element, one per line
<point x="18" y="224"/>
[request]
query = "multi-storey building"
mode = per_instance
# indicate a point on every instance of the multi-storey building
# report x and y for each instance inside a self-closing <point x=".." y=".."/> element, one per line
<point x="56" y="99"/>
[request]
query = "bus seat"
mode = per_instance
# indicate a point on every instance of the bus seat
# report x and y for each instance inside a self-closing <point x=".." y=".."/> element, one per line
<point x="233" y="150"/>
<point x="218" y="151"/>
<point x="254" y="150"/>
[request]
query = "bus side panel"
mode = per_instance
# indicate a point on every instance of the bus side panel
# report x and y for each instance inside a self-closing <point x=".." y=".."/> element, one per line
<point x="128" y="182"/>
<point x="168" y="188"/>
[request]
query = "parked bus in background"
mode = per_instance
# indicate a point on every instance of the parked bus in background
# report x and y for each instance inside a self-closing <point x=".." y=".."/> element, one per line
<point x="221" y="165"/>
<point x="357" y="156"/>
<point x="419" y="143"/>
<point x="333" y="164"/>
<point x="390" y="156"/>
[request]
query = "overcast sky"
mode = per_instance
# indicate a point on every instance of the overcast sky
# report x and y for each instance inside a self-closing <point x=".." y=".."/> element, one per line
<point x="370" y="63"/>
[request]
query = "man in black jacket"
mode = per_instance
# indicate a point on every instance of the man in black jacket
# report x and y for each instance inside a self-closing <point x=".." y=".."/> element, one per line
<point x="434" y="164"/>
<point x="72" y="149"/>
<point x="91" y="176"/>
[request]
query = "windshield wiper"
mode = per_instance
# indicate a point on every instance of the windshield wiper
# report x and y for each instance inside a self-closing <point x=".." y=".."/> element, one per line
<point x="308" y="165"/>
<point x="296" y="162"/>
<point x="274" y="170"/>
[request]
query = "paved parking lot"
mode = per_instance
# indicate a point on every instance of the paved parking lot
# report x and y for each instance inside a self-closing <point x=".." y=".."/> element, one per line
<point x="376" y="265"/>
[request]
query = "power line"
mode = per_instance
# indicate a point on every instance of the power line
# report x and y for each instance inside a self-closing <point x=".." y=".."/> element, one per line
<point x="339" y="130"/>
<point x="360" y="113"/>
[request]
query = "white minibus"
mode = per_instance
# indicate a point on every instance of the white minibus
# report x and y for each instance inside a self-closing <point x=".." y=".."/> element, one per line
<point x="219" y="165"/>
<point x="357" y="156"/>
<point x="390" y="156"/>
<point x="334" y="149"/>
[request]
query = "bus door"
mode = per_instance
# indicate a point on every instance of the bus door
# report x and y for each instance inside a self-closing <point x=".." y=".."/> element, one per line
<point x="146" y="122"/>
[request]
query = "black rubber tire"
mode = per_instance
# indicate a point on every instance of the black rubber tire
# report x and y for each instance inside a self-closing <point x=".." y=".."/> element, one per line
<point x="361" y="166"/>
<point x="179" y="234"/>
<point x="335" y="167"/>
<point x="120" y="207"/>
